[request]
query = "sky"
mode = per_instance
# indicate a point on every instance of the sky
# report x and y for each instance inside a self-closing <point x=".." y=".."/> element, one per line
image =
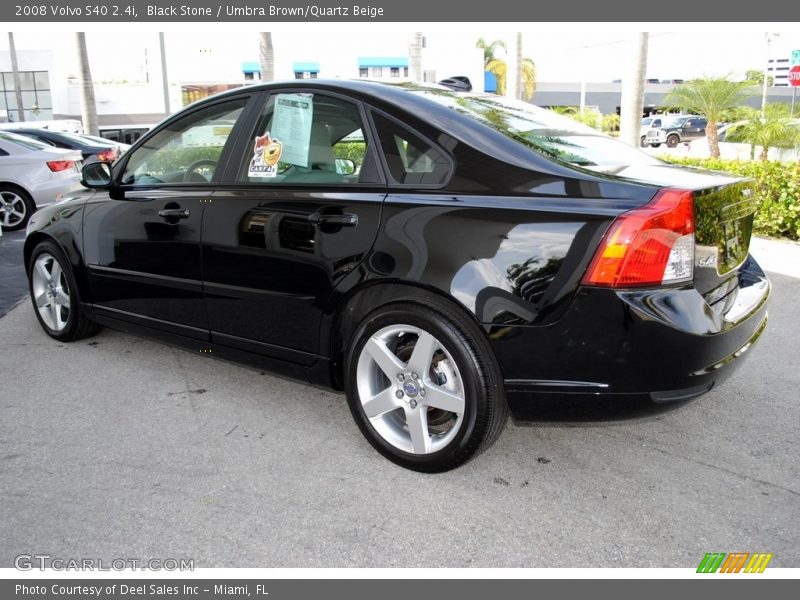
<point x="562" y="52"/>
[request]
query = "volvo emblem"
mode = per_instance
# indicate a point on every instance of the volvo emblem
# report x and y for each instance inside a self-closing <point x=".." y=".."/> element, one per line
<point x="410" y="388"/>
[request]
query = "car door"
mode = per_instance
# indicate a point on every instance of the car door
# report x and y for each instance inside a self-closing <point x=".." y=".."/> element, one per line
<point x="298" y="211"/>
<point x="142" y="239"/>
<point x="693" y="129"/>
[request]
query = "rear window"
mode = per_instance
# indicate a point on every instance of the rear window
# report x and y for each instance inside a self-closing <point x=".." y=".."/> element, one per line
<point x="544" y="131"/>
<point x="23" y="141"/>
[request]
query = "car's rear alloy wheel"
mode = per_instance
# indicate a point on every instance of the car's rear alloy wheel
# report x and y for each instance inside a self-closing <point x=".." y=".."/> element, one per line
<point x="15" y="208"/>
<point x="422" y="387"/>
<point x="54" y="293"/>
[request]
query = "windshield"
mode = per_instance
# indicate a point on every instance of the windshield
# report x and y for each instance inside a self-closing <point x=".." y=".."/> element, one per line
<point x="674" y="122"/>
<point x="544" y="131"/>
<point x="25" y="142"/>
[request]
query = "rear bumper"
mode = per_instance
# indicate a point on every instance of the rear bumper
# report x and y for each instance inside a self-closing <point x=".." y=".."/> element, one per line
<point x="661" y="345"/>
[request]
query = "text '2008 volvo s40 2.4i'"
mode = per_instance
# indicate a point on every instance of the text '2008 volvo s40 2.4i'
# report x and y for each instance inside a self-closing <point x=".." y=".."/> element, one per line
<point x="440" y="256"/>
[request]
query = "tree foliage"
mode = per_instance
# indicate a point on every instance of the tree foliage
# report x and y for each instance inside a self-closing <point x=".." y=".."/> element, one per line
<point x="712" y="97"/>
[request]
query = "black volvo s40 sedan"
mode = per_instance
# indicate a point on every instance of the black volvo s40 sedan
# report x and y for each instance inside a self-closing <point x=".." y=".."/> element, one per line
<point x="442" y="257"/>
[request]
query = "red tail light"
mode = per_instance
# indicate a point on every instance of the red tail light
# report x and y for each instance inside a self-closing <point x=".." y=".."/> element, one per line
<point x="647" y="246"/>
<point x="109" y="155"/>
<point x="60" y="165"/>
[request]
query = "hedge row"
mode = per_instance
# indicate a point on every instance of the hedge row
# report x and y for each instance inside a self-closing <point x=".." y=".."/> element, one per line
<point x="777" y="190"/>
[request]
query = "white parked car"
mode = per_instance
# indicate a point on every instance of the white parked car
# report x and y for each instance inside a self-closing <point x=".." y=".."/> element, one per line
<point x="33" y="174"/>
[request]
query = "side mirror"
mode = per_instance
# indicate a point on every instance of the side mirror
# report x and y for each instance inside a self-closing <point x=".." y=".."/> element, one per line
<point x="96" y="175"/>
<point x="345" y="166"/>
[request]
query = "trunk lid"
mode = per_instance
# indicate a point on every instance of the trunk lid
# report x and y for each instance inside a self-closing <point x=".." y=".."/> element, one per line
<point x="724" y="206"/>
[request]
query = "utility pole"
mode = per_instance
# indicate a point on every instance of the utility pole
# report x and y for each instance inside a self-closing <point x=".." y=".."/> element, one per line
<point x="164" y="79"/>
<point x="633" y="92"/>
<point x="12" y="49"/>
<point x="770" y="37"/>
<point x="415" y="57"/>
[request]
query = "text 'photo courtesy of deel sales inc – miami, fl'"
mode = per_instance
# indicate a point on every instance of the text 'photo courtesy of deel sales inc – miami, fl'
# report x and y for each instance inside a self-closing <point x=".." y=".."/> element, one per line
<point x="307" y="11"/>
<point x="151" y="589"/>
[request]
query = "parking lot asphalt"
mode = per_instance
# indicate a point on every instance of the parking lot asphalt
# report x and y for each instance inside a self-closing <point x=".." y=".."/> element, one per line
<point x="13" y="285"/>
<point x="117" y="446"/>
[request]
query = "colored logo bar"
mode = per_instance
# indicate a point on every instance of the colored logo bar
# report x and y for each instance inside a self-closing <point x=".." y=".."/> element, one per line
<point x="734" y="562"/>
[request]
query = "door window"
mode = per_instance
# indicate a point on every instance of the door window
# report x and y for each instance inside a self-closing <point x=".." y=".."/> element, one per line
<point x="306" y="138"/>
<point x="186" y="151"/>
<point x="410" y="159"/>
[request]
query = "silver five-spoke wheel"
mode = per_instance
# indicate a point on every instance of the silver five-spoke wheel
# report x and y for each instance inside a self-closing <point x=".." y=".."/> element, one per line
<point x="12" y="209"/>
<point x="410" y="389"/>
<point x="51" y="292"/>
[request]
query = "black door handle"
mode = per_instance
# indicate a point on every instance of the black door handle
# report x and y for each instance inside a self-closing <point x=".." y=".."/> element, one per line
<point x="341" y="220"/>
<point x="174" y="213"/>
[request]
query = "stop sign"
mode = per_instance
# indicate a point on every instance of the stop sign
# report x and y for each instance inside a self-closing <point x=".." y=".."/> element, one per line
<point x="794" y="76"/>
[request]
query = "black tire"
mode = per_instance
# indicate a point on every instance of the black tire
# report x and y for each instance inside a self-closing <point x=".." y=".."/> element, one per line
<point x="485" y="408"/>
<point x="655" y="145"/>
<point x="643" y="143"/>
<point x="673" y="140"/>
<point x="77" y="324"/>
<point x="22" y="202"/>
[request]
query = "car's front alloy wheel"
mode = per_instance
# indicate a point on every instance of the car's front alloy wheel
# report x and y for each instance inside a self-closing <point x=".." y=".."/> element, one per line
<point x="54" y="294"/>
<point x="50" y="292"/>
<point x="422" y="388"/>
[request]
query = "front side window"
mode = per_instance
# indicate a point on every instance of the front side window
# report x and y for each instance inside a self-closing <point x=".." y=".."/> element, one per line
<point x="410" y="159"/>
<point x="186" y="151"/>
<point x="305" y="138"/>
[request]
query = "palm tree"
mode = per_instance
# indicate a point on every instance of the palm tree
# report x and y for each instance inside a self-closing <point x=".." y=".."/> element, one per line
<point x="88" y="104"/>
<point x="489" y="49"/>
<point x="590" y="117"/>
<point x="712" y="97"/>
<point x="266" y="55"/>
<point x="497" y="67"/>
<point x="773" y="130"/>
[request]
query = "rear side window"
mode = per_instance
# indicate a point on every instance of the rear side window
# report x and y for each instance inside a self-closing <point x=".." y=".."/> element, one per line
<point x="410" y="159"/>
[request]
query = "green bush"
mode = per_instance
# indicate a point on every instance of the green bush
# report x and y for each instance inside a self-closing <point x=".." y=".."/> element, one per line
<point x="776" y="187"/>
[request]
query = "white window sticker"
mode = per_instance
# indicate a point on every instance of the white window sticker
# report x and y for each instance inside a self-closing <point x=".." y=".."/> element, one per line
<point x="291" y="123"/>
<point x="267" y="153"/>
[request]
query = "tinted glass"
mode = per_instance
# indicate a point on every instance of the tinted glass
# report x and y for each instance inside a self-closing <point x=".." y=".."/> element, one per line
<point x="187" y="150"/>
<point x="411" y="160"/>
<point x="305" y="138"/>
<point x="24" y="141"/>
<point x="544" y="131"/>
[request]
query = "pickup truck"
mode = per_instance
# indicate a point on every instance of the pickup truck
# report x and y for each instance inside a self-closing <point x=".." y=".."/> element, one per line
<point x="676" y="130"/>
